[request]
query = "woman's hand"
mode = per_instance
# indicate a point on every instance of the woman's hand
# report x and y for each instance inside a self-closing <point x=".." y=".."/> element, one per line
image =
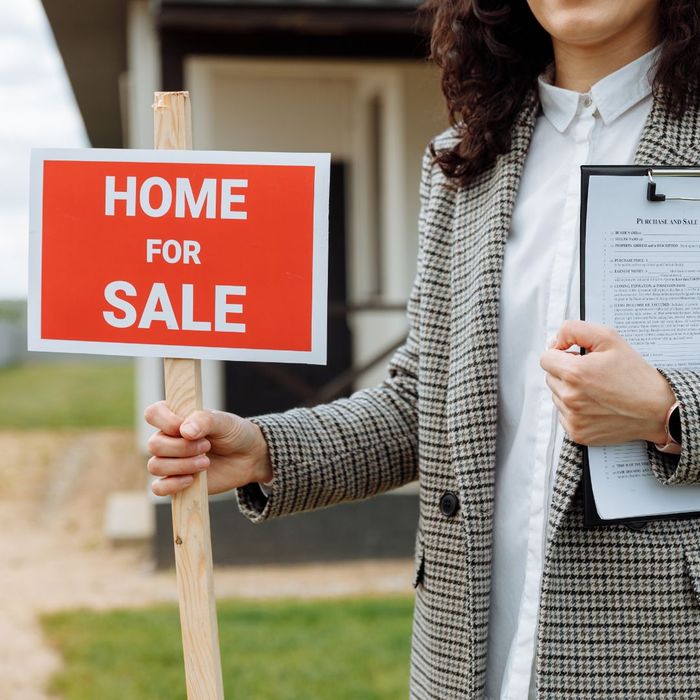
<point x="232" y="450"/>
<point x="610" y="395"/>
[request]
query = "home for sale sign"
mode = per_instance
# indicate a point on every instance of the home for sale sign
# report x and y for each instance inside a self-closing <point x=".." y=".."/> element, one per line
<point x="211" y="255"/>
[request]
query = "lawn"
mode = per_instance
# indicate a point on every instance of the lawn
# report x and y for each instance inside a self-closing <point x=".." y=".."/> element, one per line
<point x="67" y="394"/>
<point x="312" y="650"/>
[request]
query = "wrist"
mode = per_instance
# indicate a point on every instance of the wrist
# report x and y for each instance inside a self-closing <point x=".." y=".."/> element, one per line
<point x="664" y="401"/>
<point x="658" y="434"/>
<point x="263" y="462"/>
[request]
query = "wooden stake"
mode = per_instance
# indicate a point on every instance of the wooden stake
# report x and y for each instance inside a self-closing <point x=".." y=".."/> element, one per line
<point x="193" y="559"/>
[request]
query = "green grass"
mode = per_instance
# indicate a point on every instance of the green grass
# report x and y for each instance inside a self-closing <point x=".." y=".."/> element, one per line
<point x="13" y="310"/>
<point x="313" y="650"/>
<point x="67" y="395"/>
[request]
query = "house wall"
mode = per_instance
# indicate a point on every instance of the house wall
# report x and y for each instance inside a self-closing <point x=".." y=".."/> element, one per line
<point x="138" y="86"/>
<point x="361" y="112"/>
<point x="374" y="116"/>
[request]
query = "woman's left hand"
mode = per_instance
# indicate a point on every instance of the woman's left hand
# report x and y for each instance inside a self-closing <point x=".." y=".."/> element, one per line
<point x="609" y="395"/>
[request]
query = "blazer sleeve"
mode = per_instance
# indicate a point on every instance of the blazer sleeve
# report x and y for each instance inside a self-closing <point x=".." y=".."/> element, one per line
<point x="352" y="448"/>
<point x="683" y="468"/>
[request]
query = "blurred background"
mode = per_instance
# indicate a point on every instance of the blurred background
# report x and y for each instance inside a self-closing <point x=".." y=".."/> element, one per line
<point x="314" y="606"/>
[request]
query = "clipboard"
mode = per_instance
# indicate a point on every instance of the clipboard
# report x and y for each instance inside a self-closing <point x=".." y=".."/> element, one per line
<point x="652" y="174"/>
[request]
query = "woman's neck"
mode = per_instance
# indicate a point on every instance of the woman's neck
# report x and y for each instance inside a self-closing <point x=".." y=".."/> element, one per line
<point x="578" y="67"/>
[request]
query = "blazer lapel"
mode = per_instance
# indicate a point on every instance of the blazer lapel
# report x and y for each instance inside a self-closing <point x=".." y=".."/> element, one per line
<point x="482" y="216"/>
<point x="667" y="140"/>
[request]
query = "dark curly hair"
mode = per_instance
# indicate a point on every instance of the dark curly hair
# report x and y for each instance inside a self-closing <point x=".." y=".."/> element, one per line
<point x="491" y="52"/>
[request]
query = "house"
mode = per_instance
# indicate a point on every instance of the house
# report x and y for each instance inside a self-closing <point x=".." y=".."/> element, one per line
<point x="345" y="76"/>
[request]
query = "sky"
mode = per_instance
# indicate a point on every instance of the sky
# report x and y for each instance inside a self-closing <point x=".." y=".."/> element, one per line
<point x="37" y="109"/>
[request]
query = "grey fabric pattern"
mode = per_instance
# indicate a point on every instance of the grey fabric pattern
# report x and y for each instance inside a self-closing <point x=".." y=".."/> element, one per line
<point x="683" y="468"/>
<point x="620" y="608"/>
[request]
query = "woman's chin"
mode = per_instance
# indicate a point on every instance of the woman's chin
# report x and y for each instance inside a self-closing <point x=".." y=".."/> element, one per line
<point x="594" y="23"/>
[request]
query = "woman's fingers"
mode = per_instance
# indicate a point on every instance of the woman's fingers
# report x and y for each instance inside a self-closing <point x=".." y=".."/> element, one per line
<point x="231" y="448"/>
<point x="160" y="416"/>
<point x="162" y="445"/>
<point x="174" y="466"/>
<point x="170" y="485"/>
<point x="216" y="424"/>
<point x="223" y="428"/>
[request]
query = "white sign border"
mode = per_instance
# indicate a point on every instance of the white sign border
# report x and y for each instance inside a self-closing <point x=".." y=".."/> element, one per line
<point x="321" y="164"/>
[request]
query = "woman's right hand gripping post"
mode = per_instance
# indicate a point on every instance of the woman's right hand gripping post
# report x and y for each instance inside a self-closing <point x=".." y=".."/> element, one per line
<point x="231" y="449"/>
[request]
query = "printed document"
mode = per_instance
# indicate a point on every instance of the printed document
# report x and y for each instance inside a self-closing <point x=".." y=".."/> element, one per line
<point x="642" y="278"/>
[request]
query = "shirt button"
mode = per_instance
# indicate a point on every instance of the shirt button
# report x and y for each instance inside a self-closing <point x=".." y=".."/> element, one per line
<point x="587" y="100"/>
<point x="449" y="504"/>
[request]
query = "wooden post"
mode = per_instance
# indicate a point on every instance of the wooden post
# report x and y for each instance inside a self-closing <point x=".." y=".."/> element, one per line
<point x="193" y="559"/>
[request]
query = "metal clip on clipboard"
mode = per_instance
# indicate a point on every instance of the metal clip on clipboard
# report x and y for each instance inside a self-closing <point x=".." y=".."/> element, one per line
<point x="654" y="196"/>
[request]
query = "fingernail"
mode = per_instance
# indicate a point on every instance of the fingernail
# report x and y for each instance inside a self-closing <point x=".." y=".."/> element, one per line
<point x="186" y="480"/>
<point x="189" y="430"/>
<point x="201" y="462"/>
<point x="203" y="446"/>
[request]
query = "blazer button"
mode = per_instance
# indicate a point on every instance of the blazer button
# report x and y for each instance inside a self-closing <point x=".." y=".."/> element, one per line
<point x="449" y="504"/>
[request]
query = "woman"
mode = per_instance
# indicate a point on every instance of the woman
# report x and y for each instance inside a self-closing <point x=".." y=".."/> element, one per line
<point x="514" y="597"/>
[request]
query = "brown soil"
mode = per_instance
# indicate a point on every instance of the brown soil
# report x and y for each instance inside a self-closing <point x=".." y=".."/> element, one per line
<point x="53" y="490"/>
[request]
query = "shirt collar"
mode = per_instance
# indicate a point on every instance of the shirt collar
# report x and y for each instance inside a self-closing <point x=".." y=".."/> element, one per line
<point x="612" y="96"/>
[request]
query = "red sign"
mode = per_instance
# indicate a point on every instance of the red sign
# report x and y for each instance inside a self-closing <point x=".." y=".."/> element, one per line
<point x="208" y="255"/>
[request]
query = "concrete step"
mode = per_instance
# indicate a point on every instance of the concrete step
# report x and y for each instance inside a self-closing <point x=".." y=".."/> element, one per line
<point x="383" y="527"/>
<point x="129" y="518"/>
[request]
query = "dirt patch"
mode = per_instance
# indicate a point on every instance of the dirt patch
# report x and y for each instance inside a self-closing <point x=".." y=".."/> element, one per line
<point x="53" y="489"/>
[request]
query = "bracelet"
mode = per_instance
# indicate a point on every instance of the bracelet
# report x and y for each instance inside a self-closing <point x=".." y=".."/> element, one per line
<point x="672" y="446"/>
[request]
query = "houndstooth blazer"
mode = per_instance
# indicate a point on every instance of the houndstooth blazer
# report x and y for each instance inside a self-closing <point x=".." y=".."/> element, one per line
<point x="620" y="607"/>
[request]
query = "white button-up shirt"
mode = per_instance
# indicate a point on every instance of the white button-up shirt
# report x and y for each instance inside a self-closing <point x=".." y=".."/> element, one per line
<point x="540" y="289"/>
